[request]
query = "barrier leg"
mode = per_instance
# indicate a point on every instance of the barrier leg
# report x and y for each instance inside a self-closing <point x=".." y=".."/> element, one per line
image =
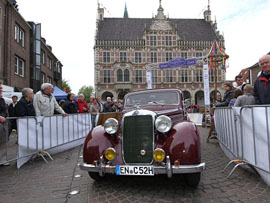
<point x="232" y="161"/>
<point x="48" y="155"/>
<point x="40" y="154"/>
<point x="239" y="164"/>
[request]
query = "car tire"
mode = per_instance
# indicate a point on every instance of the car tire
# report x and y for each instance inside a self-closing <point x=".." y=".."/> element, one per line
<point x="95" y="176"/>
<point x="193" y="179"/>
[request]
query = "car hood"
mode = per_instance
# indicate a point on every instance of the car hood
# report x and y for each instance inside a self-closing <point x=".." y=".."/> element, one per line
<point x="158" y="109"/>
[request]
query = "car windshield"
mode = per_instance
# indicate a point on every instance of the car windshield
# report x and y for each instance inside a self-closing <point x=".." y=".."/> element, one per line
<point x="152" y="98"/>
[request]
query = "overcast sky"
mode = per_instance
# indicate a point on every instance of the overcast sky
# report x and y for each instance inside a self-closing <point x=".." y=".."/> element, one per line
<point x="69" y="27"/>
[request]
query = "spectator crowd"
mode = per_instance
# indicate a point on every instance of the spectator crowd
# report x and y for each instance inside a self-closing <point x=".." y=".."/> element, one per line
<point x="43" y="103"/>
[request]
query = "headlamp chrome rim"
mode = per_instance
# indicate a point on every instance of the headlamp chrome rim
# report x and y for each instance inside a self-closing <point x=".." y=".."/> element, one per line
<point x="111" y="126"/>
<point x="163" y="124"/>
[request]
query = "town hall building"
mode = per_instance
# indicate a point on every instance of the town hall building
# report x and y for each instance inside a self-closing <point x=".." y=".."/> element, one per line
<point x="124" y="47"/>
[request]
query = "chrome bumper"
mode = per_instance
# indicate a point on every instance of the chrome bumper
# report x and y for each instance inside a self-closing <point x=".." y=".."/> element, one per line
<point x="166" y="169"/>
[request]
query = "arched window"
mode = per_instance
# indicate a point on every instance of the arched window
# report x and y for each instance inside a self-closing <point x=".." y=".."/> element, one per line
<point x="126" y="75"/>
<point x="119" y="75"/>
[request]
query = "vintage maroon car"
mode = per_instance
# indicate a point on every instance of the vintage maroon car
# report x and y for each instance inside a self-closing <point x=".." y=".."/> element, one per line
<point x="151" y="136"/>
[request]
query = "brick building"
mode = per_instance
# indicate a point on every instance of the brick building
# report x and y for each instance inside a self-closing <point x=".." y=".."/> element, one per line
<point x="20" y="51"/>
<point x="125" y="46"/>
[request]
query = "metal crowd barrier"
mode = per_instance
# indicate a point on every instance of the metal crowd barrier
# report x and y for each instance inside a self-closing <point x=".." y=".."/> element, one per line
<point x="40" y="135"/>
<point x="244" y="136"/>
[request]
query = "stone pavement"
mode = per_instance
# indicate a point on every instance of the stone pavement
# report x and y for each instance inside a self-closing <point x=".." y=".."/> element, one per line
<point x="52" y="182"/>
<point x="37" y="181"/>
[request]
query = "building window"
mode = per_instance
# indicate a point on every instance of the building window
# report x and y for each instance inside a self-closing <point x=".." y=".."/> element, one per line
<point x="123" y="57"/>
<point x="43" y="57"/>
<point x="106" y="57"/>
<point x="168" y="76"/>
<point x="49" y="62"/>
<point x="43" y="78"/>
<point x="211" y="75"/>
<point x="168" y="56"/>
<point x="184" y="55"/>
<point x="198" y="54"/>
<point x="184" y="76"/>
<point x="153" y="41"/>
<point x="19" y="35"/>
<point x="199" y="76"/>
<point x="107" y="76"/>
<point x="138" y="76"/>
<point x="126" y="75"/>
<point x="119" y="75"/>
<point x="138" y="57"/>
<point x="19" y="66"/>
<point x="168" y="40"/>
<point x="50" y="80"/>
<point x="154" y="76"/>
<point x="153" y="57"/>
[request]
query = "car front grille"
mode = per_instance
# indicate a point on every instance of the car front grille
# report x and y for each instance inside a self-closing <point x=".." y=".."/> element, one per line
<point x="137" y="138"/>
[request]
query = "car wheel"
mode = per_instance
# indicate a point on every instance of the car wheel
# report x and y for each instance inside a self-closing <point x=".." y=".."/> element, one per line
<point x="95" y="176"/>
<point x="193" y="179"/>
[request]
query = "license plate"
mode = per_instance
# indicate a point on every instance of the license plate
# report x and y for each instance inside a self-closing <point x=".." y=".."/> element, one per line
<point x="135" y="170"/>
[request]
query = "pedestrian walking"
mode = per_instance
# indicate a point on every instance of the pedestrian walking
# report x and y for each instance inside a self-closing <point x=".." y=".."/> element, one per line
<point x="45" y="103"/>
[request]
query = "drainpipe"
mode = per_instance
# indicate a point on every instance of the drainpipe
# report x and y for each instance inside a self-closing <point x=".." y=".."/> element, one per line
<point x="5" y="43"/>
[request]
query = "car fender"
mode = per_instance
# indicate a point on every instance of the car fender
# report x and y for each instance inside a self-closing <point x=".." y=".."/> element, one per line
<point x="183" y="143"/>
<point x="97" y="142"/>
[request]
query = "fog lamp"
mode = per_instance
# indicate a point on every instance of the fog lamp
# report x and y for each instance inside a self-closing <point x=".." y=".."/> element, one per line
<point x="159" y="154"/>
<point x="111" y="126"/>
<point x="110" y="154"/>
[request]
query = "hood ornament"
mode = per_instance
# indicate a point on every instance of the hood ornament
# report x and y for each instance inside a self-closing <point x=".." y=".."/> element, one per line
<point x="137" y="106"/>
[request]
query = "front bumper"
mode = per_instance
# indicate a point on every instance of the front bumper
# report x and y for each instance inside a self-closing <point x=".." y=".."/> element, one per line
<point x="166" y="169"/>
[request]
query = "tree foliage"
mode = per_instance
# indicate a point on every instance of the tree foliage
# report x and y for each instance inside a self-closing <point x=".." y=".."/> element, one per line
<point x="65" y="84"/>
<point x="87" y="91"/>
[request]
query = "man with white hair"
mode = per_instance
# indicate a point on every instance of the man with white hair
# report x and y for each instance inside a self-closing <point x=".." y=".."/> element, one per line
<point x="45" y="103"/>
<point x="262" y="83"/>
<point x="82" y="105"/>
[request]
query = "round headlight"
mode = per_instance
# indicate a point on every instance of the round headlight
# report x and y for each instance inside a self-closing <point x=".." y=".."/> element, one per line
<point x="111" y="126"/>
<point x="110" y="153"/>
<point x="163" y="124"/>
<point x="159" y="154"/>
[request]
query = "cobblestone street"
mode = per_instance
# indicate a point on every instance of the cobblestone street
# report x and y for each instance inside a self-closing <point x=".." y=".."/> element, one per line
<point x="52" y="182"/>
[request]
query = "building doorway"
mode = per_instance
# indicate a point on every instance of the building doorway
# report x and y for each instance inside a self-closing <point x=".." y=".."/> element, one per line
<point x="122" y="93"/>
<point x="199" y="98"/>
<point x="105" y="95"/>
<point x="186" y="95"/>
